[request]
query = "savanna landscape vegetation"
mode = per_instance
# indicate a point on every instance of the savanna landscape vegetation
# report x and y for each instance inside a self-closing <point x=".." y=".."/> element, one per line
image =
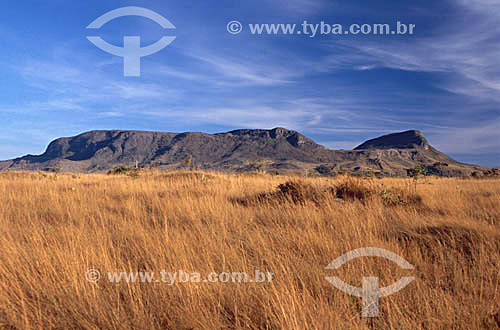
<point x="54" y="227"/>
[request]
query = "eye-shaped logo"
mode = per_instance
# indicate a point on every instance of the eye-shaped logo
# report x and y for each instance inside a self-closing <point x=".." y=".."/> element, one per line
<point x="131" y="51"/>
<point x="370" y="292"/>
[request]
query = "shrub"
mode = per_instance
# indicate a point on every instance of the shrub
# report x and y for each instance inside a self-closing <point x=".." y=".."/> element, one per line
<point x="400" y="198"/>
<point x="416" y="173"/>
<point x="352" y="188"/>
<point x="297" y="192"/>
<point x="123" y="169"/>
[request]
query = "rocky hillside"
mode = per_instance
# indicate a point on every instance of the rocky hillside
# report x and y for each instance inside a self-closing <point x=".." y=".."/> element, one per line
<point x="404" y="140"/>
<point x="278" y="150"/>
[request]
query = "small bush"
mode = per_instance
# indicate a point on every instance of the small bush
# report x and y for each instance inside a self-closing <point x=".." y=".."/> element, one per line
<point x="352" y="188"/>
<point x="123" y="169"/>
<point x="400" y="198"/>
<point x="296" y="192"/>
<point x="348" y="189"/>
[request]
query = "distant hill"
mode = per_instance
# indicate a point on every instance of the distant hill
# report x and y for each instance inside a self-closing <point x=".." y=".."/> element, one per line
<point x="278" y="149"/>
<point x="404" y="140"/>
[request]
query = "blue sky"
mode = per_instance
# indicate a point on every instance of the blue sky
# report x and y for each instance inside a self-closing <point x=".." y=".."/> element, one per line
<point x="339" y="90"/>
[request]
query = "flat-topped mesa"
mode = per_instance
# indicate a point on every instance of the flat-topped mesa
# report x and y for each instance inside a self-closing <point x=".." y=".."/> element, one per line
<point x="412" y="139"/>
<point x="293" y="137"/>
<point x="279" y="150"/>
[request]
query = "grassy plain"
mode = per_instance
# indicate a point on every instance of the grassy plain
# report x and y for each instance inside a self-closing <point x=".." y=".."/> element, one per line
<point x="54" y="227"/>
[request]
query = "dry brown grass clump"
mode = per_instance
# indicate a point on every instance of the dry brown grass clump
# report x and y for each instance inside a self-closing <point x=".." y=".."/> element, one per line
<point x="194" y="175"/>
<point x="353" y="188"/>
<point x="345" y="189"/>
<point x="55" y="227"/>
<point x="296" y="192"/>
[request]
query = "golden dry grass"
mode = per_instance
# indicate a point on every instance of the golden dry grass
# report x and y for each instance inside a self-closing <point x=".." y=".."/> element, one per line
<point x="53" y="228"/>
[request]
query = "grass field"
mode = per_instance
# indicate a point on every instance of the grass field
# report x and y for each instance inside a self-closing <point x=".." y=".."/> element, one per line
<point x="55" y="227"/>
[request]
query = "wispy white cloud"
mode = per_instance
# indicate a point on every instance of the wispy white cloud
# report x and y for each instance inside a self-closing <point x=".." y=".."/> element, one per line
<point x="183" y="74"/>
<point x="339" y="145"/>
<point x="76" y="87"/>
<point x="476" y="139"/>
<point x="300" y="7"/>
<point x="466" y="49"/>
<point x="113" y="114"/>
<point x="247" y="71"/>
<point x="256" y="116"/>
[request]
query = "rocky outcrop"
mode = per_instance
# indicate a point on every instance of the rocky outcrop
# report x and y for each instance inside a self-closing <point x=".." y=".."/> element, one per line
<point x="278" y="149"/>
<point x="405" y="140"/>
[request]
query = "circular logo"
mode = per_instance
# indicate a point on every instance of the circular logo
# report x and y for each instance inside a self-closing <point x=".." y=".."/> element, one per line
<point x="93" y="275"/>
<point x="234" y="27"/>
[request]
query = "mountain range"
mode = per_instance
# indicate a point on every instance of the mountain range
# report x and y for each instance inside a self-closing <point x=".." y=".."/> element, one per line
<point x="279" y="150"/>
